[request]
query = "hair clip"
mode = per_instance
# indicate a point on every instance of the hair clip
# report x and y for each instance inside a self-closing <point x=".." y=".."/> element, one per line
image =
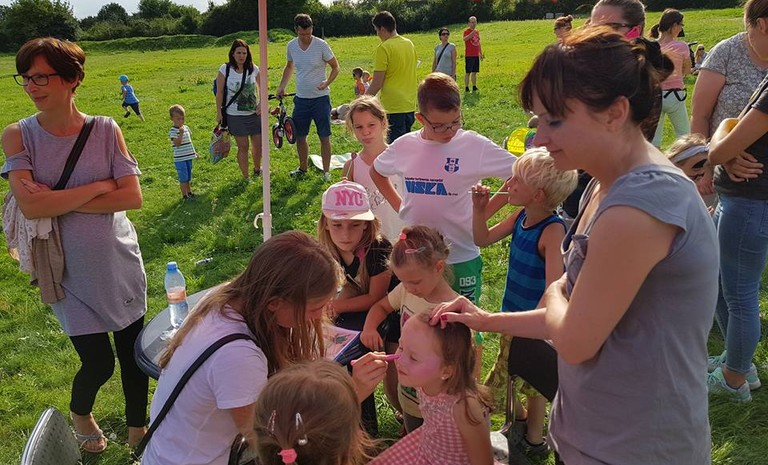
<point x="403" y="236"/>
<point x="288" y="455"/>
<point x="300" y="425"/>
<point x="271" y="422"/>
<point x="412" y="251"/>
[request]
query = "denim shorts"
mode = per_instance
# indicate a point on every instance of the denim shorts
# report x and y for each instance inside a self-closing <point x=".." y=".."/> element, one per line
<point x="306" y="110"/>
<point x="184" y="170"/>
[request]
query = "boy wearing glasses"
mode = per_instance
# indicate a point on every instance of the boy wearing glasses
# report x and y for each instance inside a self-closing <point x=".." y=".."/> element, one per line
<point x="440" y="163"/>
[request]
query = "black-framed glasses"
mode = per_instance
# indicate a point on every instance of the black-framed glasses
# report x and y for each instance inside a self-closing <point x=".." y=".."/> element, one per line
<point x="445" y="33"/>
<point x="37" y="79"/>
<point x="442" y="128"/>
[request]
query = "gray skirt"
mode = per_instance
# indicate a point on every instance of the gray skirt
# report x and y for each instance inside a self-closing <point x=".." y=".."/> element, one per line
<point x="244" y="125"/>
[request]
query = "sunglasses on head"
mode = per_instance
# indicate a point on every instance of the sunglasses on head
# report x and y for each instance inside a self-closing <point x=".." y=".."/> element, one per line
<point x="699" y="165"/>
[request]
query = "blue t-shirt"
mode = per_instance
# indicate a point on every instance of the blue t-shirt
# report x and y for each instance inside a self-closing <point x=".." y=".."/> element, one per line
<point x="526" y="272"/>
<point x="130" y="97"/>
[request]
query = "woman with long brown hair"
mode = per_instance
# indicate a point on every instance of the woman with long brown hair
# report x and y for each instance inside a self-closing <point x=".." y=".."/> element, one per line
<point x="281" y="309"/>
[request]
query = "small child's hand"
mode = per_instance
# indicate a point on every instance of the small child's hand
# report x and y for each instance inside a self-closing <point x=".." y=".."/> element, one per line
<point x="371" y="339"/>
<point x="480" y="196"/>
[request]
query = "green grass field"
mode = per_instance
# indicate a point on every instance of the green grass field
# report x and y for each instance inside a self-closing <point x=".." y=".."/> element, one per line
<point x="38" y="363"/>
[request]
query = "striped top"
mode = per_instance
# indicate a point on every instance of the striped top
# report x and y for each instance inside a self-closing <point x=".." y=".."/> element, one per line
<point x="310" y="66"/>
<point x="526" y="272"/>
<point x="185" y="151"/>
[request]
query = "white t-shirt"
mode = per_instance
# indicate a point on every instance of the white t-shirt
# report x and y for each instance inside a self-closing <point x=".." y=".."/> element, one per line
<point x="198" y="430"/>
<point x="309" y="66"/>
<point x="391" y="225"/>
<point x="248" y="101"/>
<point x="438" y="178"/>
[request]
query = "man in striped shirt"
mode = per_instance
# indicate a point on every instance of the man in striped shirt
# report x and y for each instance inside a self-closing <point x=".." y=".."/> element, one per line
<point x="310" y="56"/>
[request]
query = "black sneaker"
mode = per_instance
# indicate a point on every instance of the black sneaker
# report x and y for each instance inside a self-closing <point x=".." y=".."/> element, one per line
<point x="127" y="114"/>
<point x="297" y="173"/>
<point x="474" y="88"/>
<point x="256" y="173"/>
<point x="466" y="89"/>
<point x="533" y="450"/>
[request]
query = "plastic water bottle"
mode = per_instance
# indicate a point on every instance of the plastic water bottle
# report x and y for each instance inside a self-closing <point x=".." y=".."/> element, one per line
<point x="176" y="290"/>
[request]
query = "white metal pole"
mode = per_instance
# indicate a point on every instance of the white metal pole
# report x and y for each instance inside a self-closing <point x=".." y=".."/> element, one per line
<point x="266" y="134"/>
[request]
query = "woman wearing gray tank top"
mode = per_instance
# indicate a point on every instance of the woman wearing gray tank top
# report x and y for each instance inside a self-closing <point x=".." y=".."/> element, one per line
<point x="103" y="283"/>
<point x="630" y="317"/>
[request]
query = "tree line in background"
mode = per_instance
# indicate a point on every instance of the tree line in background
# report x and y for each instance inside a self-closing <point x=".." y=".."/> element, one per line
<point x="25" y="19"/>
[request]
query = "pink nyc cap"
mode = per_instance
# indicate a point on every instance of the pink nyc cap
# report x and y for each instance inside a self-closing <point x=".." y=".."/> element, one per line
<point x="346" y="200"/>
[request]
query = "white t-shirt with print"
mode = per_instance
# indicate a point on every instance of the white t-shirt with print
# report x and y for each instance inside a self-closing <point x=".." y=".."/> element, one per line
<point x="309" y="66"/>
<point x="248" y="101"/>
<point x="198" y="429"/>
<point x="438" y="177"/>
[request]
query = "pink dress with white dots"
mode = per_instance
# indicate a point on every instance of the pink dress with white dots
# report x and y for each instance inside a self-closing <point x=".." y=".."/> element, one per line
<point x="436" y="442"/>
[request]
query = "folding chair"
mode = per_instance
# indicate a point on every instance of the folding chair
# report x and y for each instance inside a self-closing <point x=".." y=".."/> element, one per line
<point x="51" y="442"/>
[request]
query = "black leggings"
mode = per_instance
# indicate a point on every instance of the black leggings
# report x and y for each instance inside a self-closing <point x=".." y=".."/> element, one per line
<point x="535" y="361"/>
<point x="97" y="363"/>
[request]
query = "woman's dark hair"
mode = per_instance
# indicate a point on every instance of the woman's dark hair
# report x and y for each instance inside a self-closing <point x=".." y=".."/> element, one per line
<point x="443" y="29"/>
<point x="669" y="18"/>
<point x="596" y="66"/>
<point x="248" y="58"/>
<point x="66" y="57"/>
<point x="754" y="10"/>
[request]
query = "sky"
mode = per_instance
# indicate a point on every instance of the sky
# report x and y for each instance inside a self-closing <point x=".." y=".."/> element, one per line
<point x="83" y="8"/>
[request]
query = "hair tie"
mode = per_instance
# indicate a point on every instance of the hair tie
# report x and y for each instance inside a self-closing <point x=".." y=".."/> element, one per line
<point x="412" y="251"/>
<point x="403" y="236"/>
<point x="288" y="455"/>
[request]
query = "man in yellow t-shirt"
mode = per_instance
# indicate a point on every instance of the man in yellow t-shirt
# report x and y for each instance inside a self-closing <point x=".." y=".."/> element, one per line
<point x="394" y="74"/>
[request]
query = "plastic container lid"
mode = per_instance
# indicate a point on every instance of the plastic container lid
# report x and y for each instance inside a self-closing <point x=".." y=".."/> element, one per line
<point x="172" y="266"/>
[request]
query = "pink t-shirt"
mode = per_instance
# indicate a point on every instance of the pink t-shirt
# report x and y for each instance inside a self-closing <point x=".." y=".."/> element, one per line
<point x="677" y="51"/>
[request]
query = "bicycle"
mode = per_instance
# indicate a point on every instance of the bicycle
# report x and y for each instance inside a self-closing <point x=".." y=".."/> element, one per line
<point x="284" y="127"/>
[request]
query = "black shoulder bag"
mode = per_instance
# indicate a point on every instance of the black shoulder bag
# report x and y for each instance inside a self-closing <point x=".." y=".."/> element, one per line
<point x="74" y="155"/>
<point x="180" y="385"/>
<point x="437" y="63"/>
<point x="224" y="106"/>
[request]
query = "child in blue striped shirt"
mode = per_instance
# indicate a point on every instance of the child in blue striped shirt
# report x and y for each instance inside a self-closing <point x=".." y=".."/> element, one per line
<point x="183" y="150"/>
<point x="535" y="260"/>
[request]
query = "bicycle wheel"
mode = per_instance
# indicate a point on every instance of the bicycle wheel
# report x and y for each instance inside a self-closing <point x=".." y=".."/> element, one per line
<point x="290" y="134"/>
<point x="277" y="136"/>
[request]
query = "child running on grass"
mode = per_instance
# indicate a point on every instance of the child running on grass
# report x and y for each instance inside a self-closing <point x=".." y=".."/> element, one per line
<point x="535" y="259"/>
<point x="439" y="364"/>
<point x="183" y="150"/>
<point x="129" y="98"/>
<point x="367" y="120"/>
<point x="440" y="163"/>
